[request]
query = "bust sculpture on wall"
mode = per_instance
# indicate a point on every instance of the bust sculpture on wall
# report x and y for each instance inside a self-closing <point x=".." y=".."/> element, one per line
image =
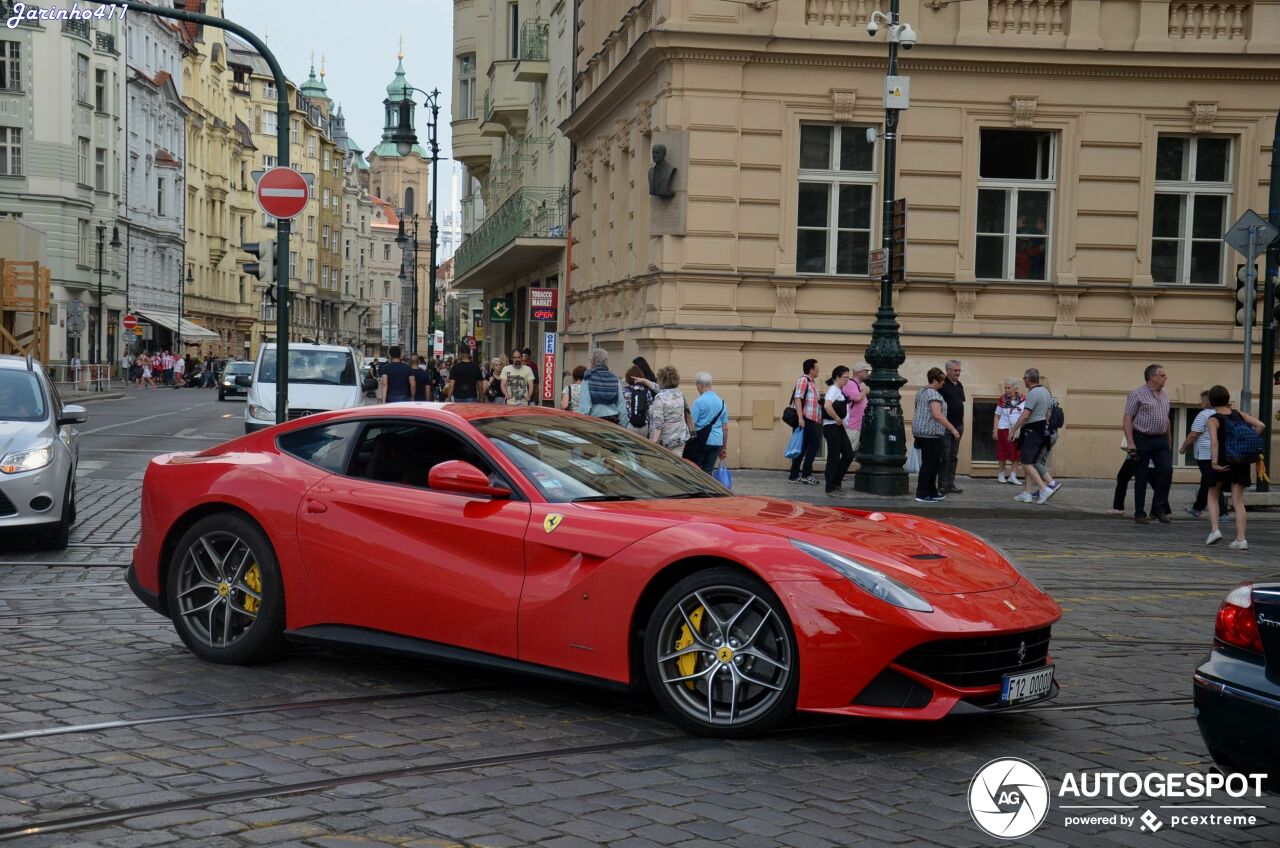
<point x="662" y="174"/>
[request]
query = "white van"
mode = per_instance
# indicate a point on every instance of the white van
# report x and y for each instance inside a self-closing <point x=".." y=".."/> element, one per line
<point x="321" y="378"/>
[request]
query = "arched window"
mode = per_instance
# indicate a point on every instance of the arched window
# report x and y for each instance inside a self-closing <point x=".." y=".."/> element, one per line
<point x="408" y="201"/>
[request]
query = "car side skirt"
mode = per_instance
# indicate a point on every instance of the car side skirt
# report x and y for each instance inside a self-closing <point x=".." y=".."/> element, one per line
<point x="342" y="635"/>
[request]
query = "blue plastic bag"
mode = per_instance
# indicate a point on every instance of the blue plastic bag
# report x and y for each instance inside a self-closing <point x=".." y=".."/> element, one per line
<point x="723" y="476"/>
<point x="795" y="445"/>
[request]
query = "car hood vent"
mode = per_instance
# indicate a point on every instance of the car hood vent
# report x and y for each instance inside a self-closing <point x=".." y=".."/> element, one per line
<point x="928" y="556"/>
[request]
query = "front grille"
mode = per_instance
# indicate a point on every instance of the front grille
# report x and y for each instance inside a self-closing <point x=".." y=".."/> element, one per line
<point x="6" y="505"/>
<point x="295" y="414"/>
<point x="980" y="660"/>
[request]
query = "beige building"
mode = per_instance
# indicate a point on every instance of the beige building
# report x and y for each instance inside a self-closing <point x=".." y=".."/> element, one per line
<point x="1070" y="166"/>
<point x="512" y="75"/>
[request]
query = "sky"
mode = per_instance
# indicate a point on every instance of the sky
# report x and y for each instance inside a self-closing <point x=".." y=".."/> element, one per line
<point x="359" y="42"/>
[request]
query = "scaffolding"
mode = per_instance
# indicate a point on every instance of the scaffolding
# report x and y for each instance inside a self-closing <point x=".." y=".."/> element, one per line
<point x="24" y="309"/>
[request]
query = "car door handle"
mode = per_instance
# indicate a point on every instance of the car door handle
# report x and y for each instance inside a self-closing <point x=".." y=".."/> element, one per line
<point x="315" y="507"/>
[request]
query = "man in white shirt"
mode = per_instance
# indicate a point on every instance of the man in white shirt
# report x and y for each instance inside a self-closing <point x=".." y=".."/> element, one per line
<point x="179" y="369"/>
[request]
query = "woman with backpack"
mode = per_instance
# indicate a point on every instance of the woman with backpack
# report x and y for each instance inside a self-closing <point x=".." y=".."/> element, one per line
<point x="1235" y="442"/>
<point x="835" y="409"/>
<point x="637" y="396"/>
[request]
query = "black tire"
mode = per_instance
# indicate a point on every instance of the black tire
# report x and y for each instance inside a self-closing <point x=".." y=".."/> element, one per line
<point x="253" y="630"/>
<point x="59" y="534"/>
<point x="712" y="686"/>
<point x="222" y="395"/>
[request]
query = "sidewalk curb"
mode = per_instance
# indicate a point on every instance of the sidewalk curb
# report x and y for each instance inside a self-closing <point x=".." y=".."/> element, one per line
<point x="94" y="396"/>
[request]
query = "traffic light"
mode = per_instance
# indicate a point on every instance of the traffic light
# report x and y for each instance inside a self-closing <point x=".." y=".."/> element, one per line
<point x="265" y="267"/>
<point x="1243" y="293"/>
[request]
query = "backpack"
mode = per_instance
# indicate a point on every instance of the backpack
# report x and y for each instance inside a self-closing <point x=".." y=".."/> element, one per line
<point x="1055" y="417"/>
<point x="638" y="405"/>
<point x="1243" y="445"/>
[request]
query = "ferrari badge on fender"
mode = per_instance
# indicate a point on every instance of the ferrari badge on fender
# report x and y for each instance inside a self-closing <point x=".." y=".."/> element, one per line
<point x="552" y="521"/>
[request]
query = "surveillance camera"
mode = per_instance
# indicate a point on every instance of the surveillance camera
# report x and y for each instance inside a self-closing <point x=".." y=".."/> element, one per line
<point x="872" y="27"/>
<point x="907" y="37"/>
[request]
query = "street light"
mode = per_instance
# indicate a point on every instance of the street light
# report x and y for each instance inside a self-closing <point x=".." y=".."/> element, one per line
<point x="403" y="239"/>
<point x="405" y="138"/>
<point x="100" y="334"/>
<point x="882" y="471"/>
<point x="182" y="303"/>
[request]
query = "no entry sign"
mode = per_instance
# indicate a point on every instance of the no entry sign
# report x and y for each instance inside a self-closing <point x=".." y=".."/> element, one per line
<point x="129" y="322"/>
<point x="283" y="193"/>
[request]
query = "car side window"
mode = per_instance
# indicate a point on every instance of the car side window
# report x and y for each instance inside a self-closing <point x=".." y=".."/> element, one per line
<point x="406" y="453"/>
<point x="325" y="447"/>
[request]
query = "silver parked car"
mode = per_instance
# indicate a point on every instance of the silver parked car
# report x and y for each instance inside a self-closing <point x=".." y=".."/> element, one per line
<point x="38" y="453"/>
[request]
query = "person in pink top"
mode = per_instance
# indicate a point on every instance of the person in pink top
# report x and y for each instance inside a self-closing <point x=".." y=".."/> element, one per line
<point x="856" y="390"/>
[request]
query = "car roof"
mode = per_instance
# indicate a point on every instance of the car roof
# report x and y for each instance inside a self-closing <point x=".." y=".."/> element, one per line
<point x="313" y="346"/>
<point x="469" y="412"/>
<point x="18" y="363"/>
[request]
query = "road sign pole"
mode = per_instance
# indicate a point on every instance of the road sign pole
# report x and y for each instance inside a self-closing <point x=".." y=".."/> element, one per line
<point x="1250" y="278"/>
<point x="282" y="159"/>
<point x="1267" y="395"/>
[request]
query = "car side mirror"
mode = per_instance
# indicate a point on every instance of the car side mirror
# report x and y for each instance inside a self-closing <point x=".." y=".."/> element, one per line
<point x="464" y="479"/>
<point x="370" y="384"/>
<point x="244" y="381"/>
<point x="72" y="414"/>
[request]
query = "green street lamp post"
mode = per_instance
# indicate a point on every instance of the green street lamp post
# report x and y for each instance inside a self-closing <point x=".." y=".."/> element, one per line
<point x="405" y="138"/>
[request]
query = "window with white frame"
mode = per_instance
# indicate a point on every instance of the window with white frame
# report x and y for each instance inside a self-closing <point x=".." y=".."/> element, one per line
<point x="82" y="174"/>
<point x="837" y="186"/>
<point x="1189" y="215"/>
<point x="11" y="66"/>
<point x="82" y="242"/>
<point x="311" y="270"/>
<point x="313" y="147"/>
<point x="82" y="78"/>
<point x="11" y="151"/>
<point x="268" y="161"/>
<point x="327" y="160"/>
<point x="100" y="169"/>
<point x="269" y="90"/>
<point x="324" y="236"/>
<point x="466" y="86"/>
<point x="100" y="90"/>
<point x="311" y="228"/>
<point x="269" y="124"/>
<point x="1017" y="178"/>
<point x="160" y="196"/>
<point x="295" y="131"/>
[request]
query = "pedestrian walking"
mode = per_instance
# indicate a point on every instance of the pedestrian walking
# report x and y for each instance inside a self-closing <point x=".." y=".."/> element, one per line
<point x="1128" y="469"/>
<point x="1146" y="427"/>
<point x="422" y="382"/>
<point x="494" y="393"/>
<point x="466" y="383"/>
<point x="1031" y="433"/>
<point x="602" y="397"/>
<point x="929" y="425"/>
<point x="1234" y="454"/>
<point x="75" y="371"/>
<point x="571" y="394"/>
<point x="835" y="411"/>
<point x="126" y="366"/>
<point x="637" y="397"/>
<point x="952" y="392"/>
<point x="856" y="392"/>
<point x="1008" y="410"/>
<point x="396" y="379"/>
<point x="804" y="399"/>
<point x="711" y="421"/>
<point x="1197" y="445"/>
<point x="179" y="372"/>
<point x="148" y="378"/>
<point x="517" y="380"/>
<point x="670" y="423"/>
<point x="210" y="367"/>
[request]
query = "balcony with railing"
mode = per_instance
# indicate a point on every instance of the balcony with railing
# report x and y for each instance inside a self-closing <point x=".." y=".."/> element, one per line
<point x="532" y="65"/>
<point x="76" y="28"/>
<point x="526" y="231"/>
<point x="106" y="42"/>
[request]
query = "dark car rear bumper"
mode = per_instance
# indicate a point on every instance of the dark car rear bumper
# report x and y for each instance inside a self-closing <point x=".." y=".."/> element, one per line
<point x="1238" y="711"/>
<point x="151" y="599"/>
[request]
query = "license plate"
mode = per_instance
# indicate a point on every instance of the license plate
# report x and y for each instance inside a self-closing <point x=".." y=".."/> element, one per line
<point x="1023" y="688"/>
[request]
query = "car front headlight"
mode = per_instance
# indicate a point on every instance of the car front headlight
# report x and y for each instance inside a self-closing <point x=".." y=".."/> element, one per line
<point x="228" y="383"/>
<point x="27" y="460"/>
<point x="1010" y="560"/>
<point x="261" y="413"/>
<point x="870" y="580"/>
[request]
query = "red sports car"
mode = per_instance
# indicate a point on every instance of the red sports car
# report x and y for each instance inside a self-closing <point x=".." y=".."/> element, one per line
<point x="527" y="538"/>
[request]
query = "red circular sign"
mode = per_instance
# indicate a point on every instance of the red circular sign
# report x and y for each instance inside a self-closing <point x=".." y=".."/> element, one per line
<point x="283" y="193"/>
<point x="130" y="322"/>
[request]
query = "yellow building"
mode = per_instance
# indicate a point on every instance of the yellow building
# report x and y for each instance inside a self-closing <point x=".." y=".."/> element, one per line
<point x="511" y="92"/>
<point x="1070" y="168"/>
<point x="217" y="200"/>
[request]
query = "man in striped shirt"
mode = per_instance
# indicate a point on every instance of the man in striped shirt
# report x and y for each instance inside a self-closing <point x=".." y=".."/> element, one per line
<point x="1146" y="426"/>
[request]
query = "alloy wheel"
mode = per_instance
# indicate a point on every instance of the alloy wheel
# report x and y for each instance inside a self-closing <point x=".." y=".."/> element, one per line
<point x="219" y="589"/>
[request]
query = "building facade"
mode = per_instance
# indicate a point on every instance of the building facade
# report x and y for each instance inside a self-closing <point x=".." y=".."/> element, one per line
<point x="1070" y="168"/>
<point x="357" y="241"/>
<point x="62" y="140"/>
<point x="512" y="74"/>
<point x="386" y="268"/>
<point x="155" y="173"/>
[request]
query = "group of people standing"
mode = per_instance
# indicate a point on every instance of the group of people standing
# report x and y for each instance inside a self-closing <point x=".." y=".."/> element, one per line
<point x="461" y="381"/>
<point x="1225" y="443"/>
<point x="150" y="370"/>
<point x="832" y="414"/>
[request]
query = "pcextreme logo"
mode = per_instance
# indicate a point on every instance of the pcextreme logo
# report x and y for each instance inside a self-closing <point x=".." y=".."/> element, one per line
<point x="1009" y="798"/>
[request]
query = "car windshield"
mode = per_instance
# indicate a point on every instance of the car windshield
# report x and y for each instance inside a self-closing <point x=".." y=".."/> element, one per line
<point x="323" y="367"/>
<point x="21" y="398"/>
<point x="245" y="367"/>
<point x="577" y="459"/>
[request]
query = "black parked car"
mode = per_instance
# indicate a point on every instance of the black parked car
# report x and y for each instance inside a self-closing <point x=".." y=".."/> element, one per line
<point x="227" y="379"/>
<point x="1237" y="689"/>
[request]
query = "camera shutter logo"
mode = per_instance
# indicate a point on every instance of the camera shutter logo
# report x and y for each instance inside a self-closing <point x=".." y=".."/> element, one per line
<point x="1009" y="798"/>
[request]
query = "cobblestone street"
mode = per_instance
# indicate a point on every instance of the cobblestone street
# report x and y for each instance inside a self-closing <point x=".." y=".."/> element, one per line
<point x="113" y="734"/>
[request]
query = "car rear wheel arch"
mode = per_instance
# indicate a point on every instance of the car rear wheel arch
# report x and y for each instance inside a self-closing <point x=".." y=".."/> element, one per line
<point x="180" y="528"/>
<point x="658" y="586"/>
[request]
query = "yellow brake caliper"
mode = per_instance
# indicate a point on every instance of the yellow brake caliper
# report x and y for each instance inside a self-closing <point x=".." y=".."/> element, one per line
<point x="688" y="662"/>
<point x="252" y="579"/>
